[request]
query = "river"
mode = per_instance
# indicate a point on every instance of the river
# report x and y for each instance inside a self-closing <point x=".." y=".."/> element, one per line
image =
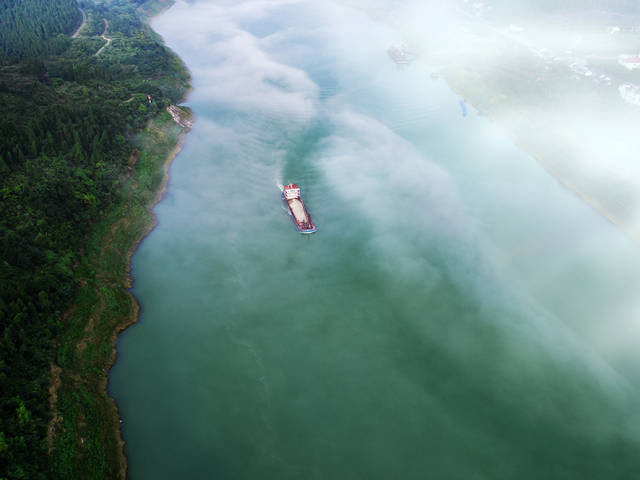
<point x="458" y="315"/>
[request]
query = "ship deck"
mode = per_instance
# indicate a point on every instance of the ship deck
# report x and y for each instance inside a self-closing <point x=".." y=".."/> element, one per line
<point x="297" y="208"/>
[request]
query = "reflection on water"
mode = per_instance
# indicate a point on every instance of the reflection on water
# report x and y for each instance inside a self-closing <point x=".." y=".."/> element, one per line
<point x="457" y="315"/>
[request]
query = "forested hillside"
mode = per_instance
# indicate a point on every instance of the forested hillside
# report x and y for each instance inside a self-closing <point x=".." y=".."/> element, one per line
<point x="32" y="27"/>
<point x="66" y="127"/>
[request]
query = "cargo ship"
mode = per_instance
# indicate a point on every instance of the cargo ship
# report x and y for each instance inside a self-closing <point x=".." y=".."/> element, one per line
<point x="297" y="210"/>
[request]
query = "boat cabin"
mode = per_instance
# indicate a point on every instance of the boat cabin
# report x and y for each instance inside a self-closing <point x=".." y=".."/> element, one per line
<point x="291" y="191"/>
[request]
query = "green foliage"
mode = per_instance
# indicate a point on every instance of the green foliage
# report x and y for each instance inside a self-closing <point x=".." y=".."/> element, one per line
<point x="29" y="28"/>
<point x="65" y="143"/>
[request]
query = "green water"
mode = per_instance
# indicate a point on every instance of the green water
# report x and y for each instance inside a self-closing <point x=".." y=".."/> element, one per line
<point x="458" y="315"/>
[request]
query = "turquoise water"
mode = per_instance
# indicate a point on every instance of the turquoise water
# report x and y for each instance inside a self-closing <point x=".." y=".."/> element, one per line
<point x="458" y="315"/>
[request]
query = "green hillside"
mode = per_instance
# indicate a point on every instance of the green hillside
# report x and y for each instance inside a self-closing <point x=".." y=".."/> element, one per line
<point x="67" y="137"/>
<point x="32" y="27"/>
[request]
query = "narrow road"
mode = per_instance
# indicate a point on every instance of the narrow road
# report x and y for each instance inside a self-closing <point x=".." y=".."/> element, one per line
<point x="104" y="35"/>
<point x="84" y="20"/>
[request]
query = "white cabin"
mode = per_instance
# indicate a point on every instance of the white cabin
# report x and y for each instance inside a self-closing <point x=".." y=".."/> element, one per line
<point x="291" y="193"/>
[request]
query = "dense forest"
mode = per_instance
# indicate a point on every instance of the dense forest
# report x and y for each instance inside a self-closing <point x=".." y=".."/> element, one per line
<point x="29" y="28"/>
<point x="66" y="129"/>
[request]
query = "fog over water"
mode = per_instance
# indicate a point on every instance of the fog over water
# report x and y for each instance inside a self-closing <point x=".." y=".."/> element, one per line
<point x="460" y="312"/>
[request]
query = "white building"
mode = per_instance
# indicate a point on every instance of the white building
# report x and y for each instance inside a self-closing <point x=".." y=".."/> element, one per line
<point x="630" y="93"/>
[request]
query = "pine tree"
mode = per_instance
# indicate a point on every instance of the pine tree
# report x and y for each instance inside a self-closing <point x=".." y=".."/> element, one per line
<point x="3" y="166"/>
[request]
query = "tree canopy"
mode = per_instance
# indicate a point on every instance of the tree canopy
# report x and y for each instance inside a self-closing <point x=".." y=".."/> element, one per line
<point x="68" y="117"/>
<point x="32" y="27"/>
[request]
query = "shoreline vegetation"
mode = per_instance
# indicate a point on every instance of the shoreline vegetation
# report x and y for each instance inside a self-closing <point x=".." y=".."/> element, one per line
<point x="85" y="434"/>
<point x="105" y="307"/>
<point x="86" y="141"/>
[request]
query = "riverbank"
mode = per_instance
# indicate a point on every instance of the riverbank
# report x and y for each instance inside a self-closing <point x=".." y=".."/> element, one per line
<point x="553" y="114"/>
<point x="549" y="149"/>
<point x="160" y="135"/>
<point x="85" y="429"/>
<point x="84" y="435"/>
<point x="75" y="173"/>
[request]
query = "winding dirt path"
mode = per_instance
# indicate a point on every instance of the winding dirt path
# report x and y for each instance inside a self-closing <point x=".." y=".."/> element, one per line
<point x="104" y="35"/>
<point x="84" y="20"/>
